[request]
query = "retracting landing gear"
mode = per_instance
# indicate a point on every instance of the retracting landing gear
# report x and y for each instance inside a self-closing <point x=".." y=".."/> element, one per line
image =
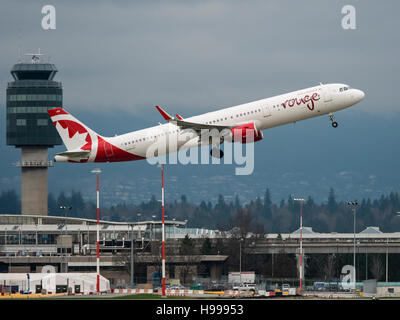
<point x="332" y="117"/>
<point x="216" y="153"/>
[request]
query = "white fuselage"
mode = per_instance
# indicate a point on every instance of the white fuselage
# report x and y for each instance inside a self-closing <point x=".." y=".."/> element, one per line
<point x="266" y="113"/>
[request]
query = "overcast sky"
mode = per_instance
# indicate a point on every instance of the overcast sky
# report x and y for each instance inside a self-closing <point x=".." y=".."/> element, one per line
<point x="118" y="59"/>
<point x="198" y="55"/>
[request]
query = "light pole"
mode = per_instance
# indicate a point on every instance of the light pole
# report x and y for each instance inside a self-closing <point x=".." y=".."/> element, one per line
<point x="97" y="171"/>
<point x="132" y="259"/>
<point x="366" y="262"/>
<point x="387" y="259"/>
<point x="152" y="233"/>
<point x="174" y="219"/>
<point x="301" y="242"/>
<point x="240" y="260"/>
<point x="353" y="205"/>
<point x="137" y="222"/>
<point x="65" y="208"/>
<point x="163" y="230"/>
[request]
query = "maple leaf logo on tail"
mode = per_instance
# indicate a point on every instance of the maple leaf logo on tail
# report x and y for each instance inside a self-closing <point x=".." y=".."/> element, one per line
<point x="75" y="135"/>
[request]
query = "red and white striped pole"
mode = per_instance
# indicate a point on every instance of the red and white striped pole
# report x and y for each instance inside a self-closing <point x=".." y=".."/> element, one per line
<point x="163" y="231"/>
<point x="97" y="172"/>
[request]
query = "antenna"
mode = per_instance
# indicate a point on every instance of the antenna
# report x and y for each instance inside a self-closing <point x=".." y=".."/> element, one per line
<point x="35" y="57"/>
<point x="19" y="55"/>
<point x="19" y="46"/>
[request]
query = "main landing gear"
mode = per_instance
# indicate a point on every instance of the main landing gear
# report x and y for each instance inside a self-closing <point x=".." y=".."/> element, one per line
<point x="216" y="153"/>
<point x="334" y="123"/>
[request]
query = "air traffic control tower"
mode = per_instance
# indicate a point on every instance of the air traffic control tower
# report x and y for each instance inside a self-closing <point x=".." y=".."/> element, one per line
<point x="29" y="127"/>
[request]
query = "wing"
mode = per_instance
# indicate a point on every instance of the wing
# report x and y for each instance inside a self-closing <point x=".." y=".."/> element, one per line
<point x="190" y="125"/>
<point x="198" y="126"/>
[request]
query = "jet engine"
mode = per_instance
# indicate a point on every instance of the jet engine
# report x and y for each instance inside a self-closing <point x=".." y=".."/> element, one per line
<point x="246" y="133"/>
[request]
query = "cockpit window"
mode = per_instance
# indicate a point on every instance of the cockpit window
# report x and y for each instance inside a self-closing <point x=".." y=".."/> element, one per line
<point x="344" y="88"/>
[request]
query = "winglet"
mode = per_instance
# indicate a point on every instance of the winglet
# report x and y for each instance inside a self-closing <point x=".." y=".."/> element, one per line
<point x="165" y="115"/>
<point x="179" y="117"/>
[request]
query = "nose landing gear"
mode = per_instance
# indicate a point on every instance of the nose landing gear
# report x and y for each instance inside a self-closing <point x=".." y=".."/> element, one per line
<point x="334" y="123"/>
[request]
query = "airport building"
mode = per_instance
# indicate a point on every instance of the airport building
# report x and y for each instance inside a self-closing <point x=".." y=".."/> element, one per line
<point x="29" y="127"/>
<point x="51" y="283"/>
<point x="33" y="243"/>
<point x="29" y="243"/>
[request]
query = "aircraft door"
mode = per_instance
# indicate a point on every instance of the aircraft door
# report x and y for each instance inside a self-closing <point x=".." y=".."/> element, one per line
<point x="266" y="111"/>
<point x="327" y="94"/>
<point x="108" y="149"/>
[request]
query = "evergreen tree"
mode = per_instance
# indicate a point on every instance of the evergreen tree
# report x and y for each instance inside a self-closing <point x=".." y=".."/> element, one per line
<point x="183" y="200"/>
<point x="62" y="200"/>
<point x="52" y="205"/>
<point x="267" y="204"/>
<point x="332" y="204"/>
<point x="292" y="206"/>
<point x="206" y="247"/>
<point x="9" y="202"/>
<point x="187" y="246"/>
<point x="77" y="203"/>
<point x="237" y="205"/>
<point x="310" y="202"/>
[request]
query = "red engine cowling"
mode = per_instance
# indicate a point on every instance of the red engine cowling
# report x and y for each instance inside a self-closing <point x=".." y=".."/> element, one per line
<point x="246" y="133"/>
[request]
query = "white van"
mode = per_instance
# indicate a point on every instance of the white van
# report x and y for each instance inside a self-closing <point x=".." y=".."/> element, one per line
<point x="244" y="287"/>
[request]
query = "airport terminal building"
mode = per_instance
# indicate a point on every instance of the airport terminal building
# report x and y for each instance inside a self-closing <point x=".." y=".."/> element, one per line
<point x="32" y="243"/>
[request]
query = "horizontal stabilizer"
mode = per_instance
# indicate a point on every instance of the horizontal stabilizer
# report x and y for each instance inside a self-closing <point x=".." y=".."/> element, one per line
<point x="75" y="153"/>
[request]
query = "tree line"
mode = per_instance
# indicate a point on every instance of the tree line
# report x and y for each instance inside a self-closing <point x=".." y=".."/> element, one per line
<point x="259" y="215"/>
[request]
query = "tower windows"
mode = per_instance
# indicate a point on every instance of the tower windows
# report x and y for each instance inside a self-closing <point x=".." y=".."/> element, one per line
<point x="21" y="122"/>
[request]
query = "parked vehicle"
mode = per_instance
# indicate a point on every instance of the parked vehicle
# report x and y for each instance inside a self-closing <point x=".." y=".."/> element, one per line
<point x="285" y="287"/>
<point x="245" y="287"/>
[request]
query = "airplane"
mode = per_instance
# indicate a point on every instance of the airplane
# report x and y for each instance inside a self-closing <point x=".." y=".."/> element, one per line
<point x="85" y="145"/>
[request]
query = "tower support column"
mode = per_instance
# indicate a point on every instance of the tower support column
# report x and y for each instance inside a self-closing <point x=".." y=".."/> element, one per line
<point x="34" y="165"/>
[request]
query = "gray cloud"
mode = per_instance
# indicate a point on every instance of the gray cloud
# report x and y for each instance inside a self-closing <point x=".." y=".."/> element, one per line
<point x="196" y="56"/>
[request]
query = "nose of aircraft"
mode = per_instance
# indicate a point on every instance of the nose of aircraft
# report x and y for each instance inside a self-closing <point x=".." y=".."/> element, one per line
<point x="358" y="95"/>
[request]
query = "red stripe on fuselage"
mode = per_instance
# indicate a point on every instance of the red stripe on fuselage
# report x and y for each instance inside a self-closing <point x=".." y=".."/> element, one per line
<point x="106" y="152"/>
